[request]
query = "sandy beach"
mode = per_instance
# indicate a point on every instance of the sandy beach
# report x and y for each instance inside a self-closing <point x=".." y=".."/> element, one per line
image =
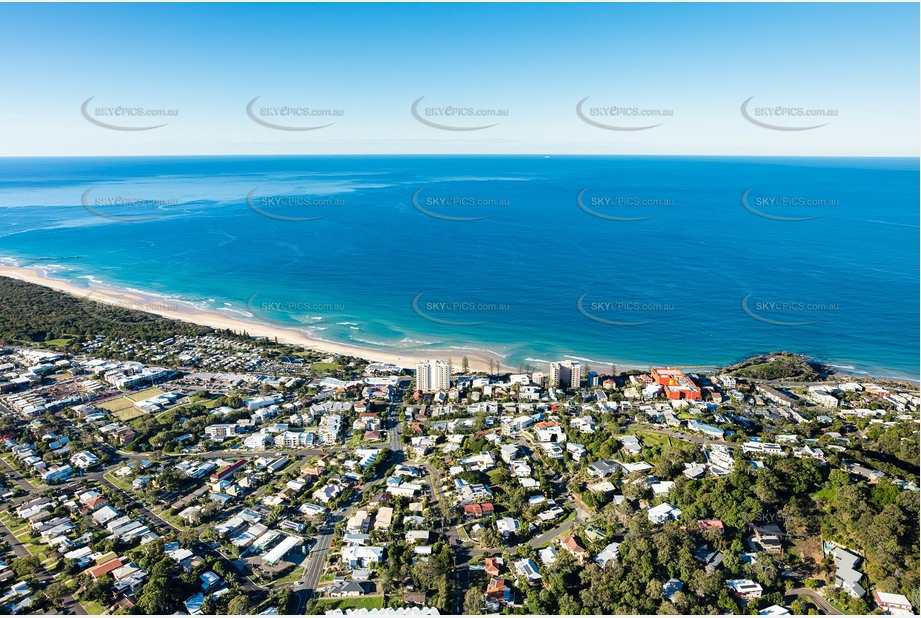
<point x="479" y="361"/>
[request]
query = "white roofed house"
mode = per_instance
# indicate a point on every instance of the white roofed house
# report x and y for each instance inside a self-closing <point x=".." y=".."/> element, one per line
<point x="417" y="536"/>
<point x="509" y="453"/>
<point x="585" y="424"/>
<point x="507" y="525"/>
<point x="481" y="463"/>
<point x="608" y="554"/>
<point x="360" y="556"/>
<point x="552" y="450"/>
<point x="576" y="451"/>
<point x="847" y="577"/>
<point x="744" y="588"/>
<point x="548" y="554"/>
<point x="528" y="569"/>
<point x="520" y="468"/>
<point x="662" y="513"/>
<point x="327" y="492"/>
<point x="662" y="488"/>
<point x="894" y="604"/>
<point x="105" y="514"/>
<point x="631" y="445"/>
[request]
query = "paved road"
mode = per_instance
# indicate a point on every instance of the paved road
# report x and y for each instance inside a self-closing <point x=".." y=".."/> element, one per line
<point x="247" y="583"/>
<point x="231" y="453"/>
<point x="537" y="541"/>
<point x="317" y="558"/>
<point x="813" y="596"/>
<point x="549" y="535"/>
<point x="307" y="588"/>
<point x="19" y="478"/>
<point x="70" y="604"/>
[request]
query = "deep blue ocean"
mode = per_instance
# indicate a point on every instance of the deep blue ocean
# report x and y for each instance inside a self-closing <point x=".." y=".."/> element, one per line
<point x="638" y="260"/>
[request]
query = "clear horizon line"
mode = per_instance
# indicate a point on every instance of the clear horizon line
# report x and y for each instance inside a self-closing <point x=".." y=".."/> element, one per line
<point x="484" y="154"/>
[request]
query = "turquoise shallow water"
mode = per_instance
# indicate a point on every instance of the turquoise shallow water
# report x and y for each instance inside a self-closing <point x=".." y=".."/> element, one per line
<point x="696" y="261"/>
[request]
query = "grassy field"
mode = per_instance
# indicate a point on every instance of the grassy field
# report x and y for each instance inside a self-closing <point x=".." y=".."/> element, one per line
<point x="294" y="465"/>
<point x="129" y="414"/>
<point x="323" y="367"/>
<point x="118" y="482"/>
<point x="653" y="439"/>
<point x="174" y="520"/>
<point x="117" y="405"/>
<point x="291" y="577"/>
<point x="355" y="440"/>
<point x="147" y="393"/>
<point x="375" y="602"/>
<point x="93" y="607"/>
<point x="123" y="407"/>
<point x="58" y="343"/>
<point x="208" y="404"/>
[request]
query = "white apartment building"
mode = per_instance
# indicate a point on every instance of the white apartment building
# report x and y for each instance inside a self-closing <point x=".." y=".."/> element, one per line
<point x="566" y="374"/>
<point x="433" y="375"/>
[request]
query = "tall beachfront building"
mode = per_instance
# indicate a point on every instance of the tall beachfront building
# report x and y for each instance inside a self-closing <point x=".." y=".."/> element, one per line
<point x="566" y="374"/>
<point x="433" y="375"/>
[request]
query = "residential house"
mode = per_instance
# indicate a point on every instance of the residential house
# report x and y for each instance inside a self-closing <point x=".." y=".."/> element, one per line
<point x="608" y="554"/>
<point x="744" y="588"/>
<point x="571" y="544"/>
<point x="603" y="468"/>
<point x="895" y="604"/>
<point x="663" y="513"/>
<point x="528" y="569"/>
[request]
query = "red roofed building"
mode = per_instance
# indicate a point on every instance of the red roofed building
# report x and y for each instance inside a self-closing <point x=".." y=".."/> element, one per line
<point x="96" y="503"/>
<point x="478" y="509"/>
<point x="571" y="544"/>
<point x="676" y="384"/>
<point x="499" y="592"/>
<point x="494" y="566"/>
<point x="228" y="470"/>
<point x="106" y="567"/>
<point x="711" y="524"/>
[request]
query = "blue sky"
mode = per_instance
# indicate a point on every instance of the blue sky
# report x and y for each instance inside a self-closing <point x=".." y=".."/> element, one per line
<point x="694" y="63"/>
